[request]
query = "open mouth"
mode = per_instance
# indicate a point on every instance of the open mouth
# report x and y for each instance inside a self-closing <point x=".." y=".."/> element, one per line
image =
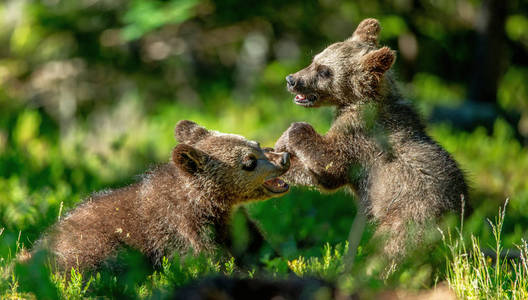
<point x="276" y="186"/>
<point x="305" y="100"/>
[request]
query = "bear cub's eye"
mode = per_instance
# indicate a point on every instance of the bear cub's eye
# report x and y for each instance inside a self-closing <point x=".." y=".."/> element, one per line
<point x="324" y="71"/>
<point x="249" y="163"/>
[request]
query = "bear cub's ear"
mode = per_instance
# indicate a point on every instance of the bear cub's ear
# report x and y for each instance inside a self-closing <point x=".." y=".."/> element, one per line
<point x="367" y="32"/>
<point x="189" y="159"/>
<point x="379" y="61"/>
<point x="189" y="132"/>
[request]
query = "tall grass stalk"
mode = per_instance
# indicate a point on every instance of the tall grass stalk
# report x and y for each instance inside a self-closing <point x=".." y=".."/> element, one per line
<point x="473" y="275"/>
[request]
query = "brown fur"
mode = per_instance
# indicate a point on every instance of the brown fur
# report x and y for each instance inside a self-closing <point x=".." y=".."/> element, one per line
<point x="173" y="206"/>
<point x="377" y="144"/>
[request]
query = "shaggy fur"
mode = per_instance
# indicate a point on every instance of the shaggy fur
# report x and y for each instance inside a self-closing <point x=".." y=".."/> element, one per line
<point x="173" y="206"/>
<point x="377" y="144"/>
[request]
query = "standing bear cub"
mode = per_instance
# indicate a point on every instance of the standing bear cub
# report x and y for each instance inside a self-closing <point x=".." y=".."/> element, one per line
<point x="377" y="144"/>
<point x="173" y="206"/>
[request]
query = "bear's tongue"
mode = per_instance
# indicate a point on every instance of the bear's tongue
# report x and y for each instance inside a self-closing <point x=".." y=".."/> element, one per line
<point x="300" y="98"/>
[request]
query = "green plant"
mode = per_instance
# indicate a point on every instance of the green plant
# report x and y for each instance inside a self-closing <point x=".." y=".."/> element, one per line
<point x="472" y="274"/>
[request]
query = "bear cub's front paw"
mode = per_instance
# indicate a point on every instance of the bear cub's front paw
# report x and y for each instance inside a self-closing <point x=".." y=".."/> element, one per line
<point x="299" y="133"/>
<point x="295" y="137"/>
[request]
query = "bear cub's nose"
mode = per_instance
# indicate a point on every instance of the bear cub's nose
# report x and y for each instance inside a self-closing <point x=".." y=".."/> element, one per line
<point x="290" y="80"/>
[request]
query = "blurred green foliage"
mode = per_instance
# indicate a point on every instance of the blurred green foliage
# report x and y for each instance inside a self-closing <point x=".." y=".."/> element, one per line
<point x="145" y="16"/>
<point x="90" y="91"/>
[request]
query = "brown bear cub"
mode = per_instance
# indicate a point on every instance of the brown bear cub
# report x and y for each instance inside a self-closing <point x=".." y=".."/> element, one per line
<point x="175" y="205"/>
<point x="377" y="144"/>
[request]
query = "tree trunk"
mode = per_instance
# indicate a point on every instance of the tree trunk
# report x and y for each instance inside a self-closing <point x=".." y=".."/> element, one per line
<point x="489" y="56"/>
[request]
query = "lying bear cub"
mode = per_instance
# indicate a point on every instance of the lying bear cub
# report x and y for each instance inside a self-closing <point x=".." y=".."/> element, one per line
<point x="174" y="205"/>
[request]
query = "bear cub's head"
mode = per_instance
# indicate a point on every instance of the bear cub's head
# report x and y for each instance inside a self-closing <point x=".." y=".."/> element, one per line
<point x="344" y="72"/>
<point x="240" y="167"/>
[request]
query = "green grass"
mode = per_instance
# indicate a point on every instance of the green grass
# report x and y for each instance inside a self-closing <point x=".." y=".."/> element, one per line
<point x="44" y="175"/>
<point x="474" y="275"/>
<point x="469" y="272"/>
